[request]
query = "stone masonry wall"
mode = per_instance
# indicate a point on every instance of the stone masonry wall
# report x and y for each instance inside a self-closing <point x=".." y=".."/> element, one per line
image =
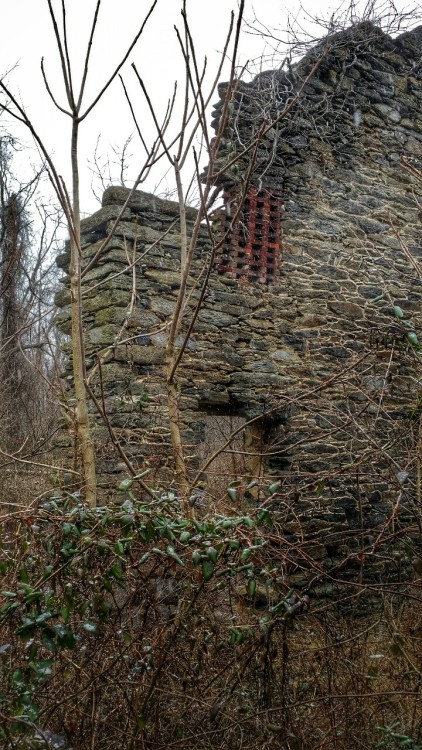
<point x="326" y="355"/>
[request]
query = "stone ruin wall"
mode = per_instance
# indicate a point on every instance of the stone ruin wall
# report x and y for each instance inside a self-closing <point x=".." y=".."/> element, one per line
<point x="318" y="354"/>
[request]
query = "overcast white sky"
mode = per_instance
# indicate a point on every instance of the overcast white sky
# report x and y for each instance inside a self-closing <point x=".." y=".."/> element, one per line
<point x="27" y="36"/>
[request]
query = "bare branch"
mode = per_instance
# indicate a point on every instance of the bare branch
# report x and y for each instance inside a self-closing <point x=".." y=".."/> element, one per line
<point x="88" y="54"/>
<point x="120" y="65"/>
<point x="66" y="50"/>
<point x="47" y="86"/>
<point x="65" y="72"/>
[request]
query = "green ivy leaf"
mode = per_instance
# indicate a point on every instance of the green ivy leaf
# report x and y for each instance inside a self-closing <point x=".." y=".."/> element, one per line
<point x="196" y="556"/>
<point x="33" y="597"/>
<point x="116" y="572"/>
<point x="65" y="614"/>
<point x="65" y="636"/>
<point x="236" y="637"/>
<point x="171" y="553"/>
<point x="42" y="619"/>
<point x="264" y="516"/>
<point x="275" y="728"/>
<point x="28" y="626"/>
<point x="274" y="487"/>
<point x="412" y="338"/>
<point x="23" y="575"/>
<point x="119" y="548"/>
<point x="207" y="569"/>
<point x="251" y="588"/>
<point x="125" y="485"/>
<point x="90" y="627"/>
<point x="212" y="554"/>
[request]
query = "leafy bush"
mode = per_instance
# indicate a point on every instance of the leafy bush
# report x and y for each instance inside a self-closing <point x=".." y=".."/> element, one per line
<point x="131" y="626"/>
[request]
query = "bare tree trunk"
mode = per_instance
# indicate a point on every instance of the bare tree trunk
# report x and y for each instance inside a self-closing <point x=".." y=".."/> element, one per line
<point x="173" y="396"/>
<point x="175" y="434"/>
<point x="78" y="355"/>
<point x="11" y="250"/>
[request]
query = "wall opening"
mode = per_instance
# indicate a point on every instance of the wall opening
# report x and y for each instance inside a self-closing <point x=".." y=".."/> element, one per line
<point x="238" y="463"/>
<point x="252" y="247"/>
<point x="229" y="465"/>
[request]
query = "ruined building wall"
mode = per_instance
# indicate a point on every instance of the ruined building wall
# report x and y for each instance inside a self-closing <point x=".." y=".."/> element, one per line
<point x="324" y="346"/>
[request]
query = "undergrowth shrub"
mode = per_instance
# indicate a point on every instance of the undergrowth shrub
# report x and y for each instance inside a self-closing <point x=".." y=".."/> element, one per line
<point x="130" y="626"/>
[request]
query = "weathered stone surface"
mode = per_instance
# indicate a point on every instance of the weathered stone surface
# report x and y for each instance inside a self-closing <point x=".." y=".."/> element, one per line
<point x="321" y="356"/>
<point x="102" y="336"/>
<point x="103" y="300"/>
<point x="166" y="278"/>
<point x="346" y="309"/>
<point x="144" y="355"/>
